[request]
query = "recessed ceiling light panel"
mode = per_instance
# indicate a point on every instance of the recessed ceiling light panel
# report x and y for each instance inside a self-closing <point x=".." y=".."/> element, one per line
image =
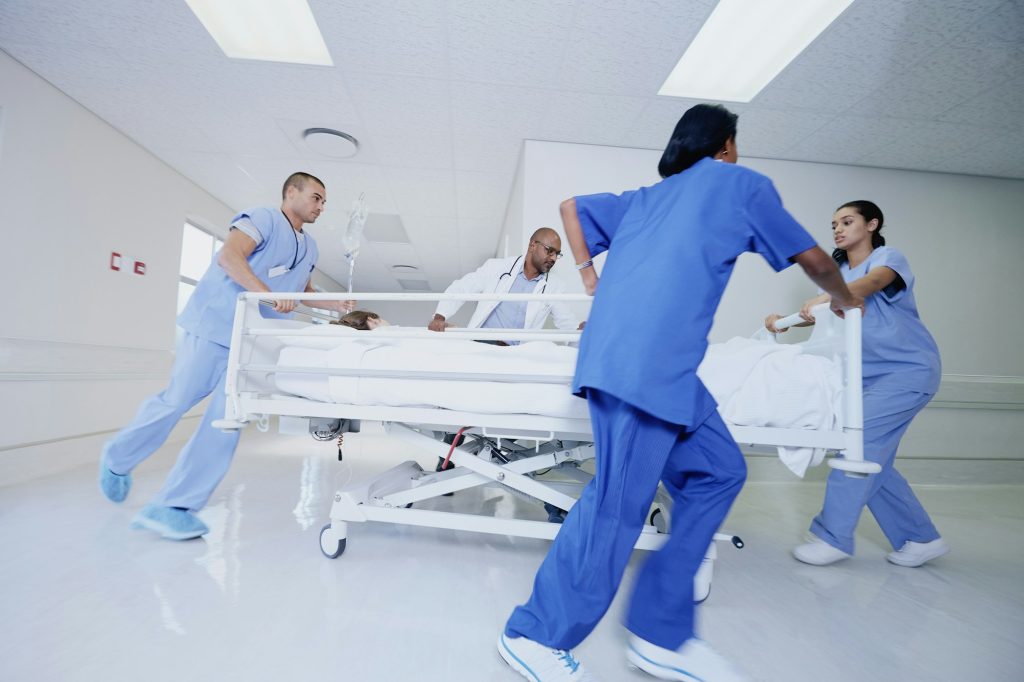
<point x="266" y="30"/>
<point x="330" y="142"/>
<point x="744" y="45"/>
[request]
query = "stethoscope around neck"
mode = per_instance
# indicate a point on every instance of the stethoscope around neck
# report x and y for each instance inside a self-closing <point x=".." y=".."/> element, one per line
<point x="508" y="273"/>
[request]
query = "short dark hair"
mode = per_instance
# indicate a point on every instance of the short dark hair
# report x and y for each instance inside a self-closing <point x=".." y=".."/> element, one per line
<point x="702" y="131"/>
<point x="357" y="319"/>
<point x="298" y="181"/>
<point x="869" y="211"/>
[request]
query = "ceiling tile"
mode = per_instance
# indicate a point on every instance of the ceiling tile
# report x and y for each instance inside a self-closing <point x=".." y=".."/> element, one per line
<point x="591" y="119"/>
<point x="482" y="195"/>
<point x="628" y="50"/>
<point x="923" y="145"/>
<point x="422" y="191"/>
<point x="1001" y="108"/>
<point x="388" y="36"/>
<point x="222" y="177"/>
<point x="771" y="132"/>
<point x="513" y="43"/>
<point x="489" y="124"/>
<point x="844" y="139"/>
<point x="478" y="241"/>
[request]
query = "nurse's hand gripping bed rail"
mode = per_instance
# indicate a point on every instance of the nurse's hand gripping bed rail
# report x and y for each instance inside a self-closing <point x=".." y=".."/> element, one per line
<point x="494" y="451"/>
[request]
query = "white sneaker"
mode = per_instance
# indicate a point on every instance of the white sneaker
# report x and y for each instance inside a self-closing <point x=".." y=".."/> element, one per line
<point x="695" y="661"/>
<point x="817" y="552"/>
<point x="914" y="554"/>
<point x="539" y="663"/>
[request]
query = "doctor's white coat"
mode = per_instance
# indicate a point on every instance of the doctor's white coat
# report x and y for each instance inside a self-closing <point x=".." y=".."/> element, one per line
<point x="496" y="276"/>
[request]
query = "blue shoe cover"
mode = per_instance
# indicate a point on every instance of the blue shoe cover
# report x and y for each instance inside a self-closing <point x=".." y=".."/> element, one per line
<point x="173" y="524"/>
<point x="114" y="487"/>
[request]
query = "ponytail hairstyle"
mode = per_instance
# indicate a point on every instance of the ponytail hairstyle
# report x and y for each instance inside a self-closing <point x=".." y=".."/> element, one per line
<point x="702" y="131"/>
<point x="869" y="211"/>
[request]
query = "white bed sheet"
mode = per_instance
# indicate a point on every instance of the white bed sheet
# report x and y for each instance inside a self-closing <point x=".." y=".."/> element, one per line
<point x="755" y="382"/>
<point x="467" y="357"/>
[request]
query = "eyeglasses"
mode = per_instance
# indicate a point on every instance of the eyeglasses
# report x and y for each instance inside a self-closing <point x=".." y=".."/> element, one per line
<point x="548" y="249"/>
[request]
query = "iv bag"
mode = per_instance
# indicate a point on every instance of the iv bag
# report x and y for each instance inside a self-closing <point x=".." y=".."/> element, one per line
<point x="354" y="232"/>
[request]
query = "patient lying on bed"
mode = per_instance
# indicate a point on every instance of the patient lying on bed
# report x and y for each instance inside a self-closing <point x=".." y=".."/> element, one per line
<point x="755" y="383"/>
<point x="363" y="319"/>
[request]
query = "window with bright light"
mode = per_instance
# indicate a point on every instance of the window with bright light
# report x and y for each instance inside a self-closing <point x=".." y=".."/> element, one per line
<point x="198" y="249"/>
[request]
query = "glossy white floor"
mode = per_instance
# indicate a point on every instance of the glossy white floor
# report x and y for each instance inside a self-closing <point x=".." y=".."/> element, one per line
<point x="85" y="598"/>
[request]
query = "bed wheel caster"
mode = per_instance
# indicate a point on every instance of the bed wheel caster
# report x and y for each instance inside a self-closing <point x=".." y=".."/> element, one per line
<point x="736" y="541"/>
<point x="331" y="546"/>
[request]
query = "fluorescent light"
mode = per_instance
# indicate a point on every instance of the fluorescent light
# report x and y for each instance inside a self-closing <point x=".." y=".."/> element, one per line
<point x="744" y="44"/>
<point x="268" y="30"/>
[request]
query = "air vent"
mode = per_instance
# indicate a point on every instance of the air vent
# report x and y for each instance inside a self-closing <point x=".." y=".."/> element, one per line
<point x="330" y="142"/>
<point x="414" y="284"/>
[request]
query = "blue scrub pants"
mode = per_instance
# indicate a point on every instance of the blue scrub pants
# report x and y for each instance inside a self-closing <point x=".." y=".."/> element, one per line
<point x="888" y="412"/>
<point x="199" y="370"/>
<point x="703" y="471"/>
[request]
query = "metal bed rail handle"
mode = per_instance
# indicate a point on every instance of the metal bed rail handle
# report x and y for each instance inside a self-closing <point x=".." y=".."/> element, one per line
<point x="788" y="321"/>
<point x="417" y="297"/>
<point x="300" y="309"/>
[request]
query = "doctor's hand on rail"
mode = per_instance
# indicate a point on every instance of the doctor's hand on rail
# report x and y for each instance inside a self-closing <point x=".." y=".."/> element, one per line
<point x="439" y="324"/>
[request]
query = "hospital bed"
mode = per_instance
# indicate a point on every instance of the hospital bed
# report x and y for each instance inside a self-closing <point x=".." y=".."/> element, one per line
<point x="534" y="456"/>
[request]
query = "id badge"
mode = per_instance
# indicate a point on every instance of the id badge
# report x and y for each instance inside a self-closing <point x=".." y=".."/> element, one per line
<point x="279" y="270"/>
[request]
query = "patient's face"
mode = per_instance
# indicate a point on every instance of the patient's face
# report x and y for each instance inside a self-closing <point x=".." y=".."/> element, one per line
<point x="374" y="322"/>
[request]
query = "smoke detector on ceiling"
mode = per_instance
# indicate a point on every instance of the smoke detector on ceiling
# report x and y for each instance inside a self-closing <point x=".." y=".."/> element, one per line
<point x="330" y="142"/>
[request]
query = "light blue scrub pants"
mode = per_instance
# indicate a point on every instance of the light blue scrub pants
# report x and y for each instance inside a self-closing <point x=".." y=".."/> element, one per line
<point x="199" y="370"/>
<point x="888" y="412"/>
<point x="703" y="471"/>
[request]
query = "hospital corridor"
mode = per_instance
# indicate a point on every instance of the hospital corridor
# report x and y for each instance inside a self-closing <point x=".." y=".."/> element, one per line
<point x="256" y="599"/>
<point x="557" y="341"/>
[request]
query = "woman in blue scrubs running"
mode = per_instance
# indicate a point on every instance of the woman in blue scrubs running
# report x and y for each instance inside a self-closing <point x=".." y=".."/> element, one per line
<point x="671" y="249"/>
<point x="901" y="374"/>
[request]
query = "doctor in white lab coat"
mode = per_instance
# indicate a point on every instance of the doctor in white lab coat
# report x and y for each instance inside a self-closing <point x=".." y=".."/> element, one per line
<point x="526" y="274"/>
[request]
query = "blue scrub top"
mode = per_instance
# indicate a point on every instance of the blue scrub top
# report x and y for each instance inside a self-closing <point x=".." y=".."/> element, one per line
<point x="897" y="346"/>
<point x="211" y="309"/>
<point x="671" y="249"/>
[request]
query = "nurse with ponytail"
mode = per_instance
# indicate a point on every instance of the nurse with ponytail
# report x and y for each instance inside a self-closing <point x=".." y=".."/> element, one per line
<point x="901" y="374"/>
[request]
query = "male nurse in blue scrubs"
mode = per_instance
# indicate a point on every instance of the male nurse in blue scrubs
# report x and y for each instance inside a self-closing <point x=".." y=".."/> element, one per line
<point x="266" y="250"/>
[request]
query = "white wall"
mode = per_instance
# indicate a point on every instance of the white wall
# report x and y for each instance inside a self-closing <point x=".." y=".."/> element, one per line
<point x="962" y="234"/>
<point x="515" y="229"/>
<point x="80" y="345"/>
